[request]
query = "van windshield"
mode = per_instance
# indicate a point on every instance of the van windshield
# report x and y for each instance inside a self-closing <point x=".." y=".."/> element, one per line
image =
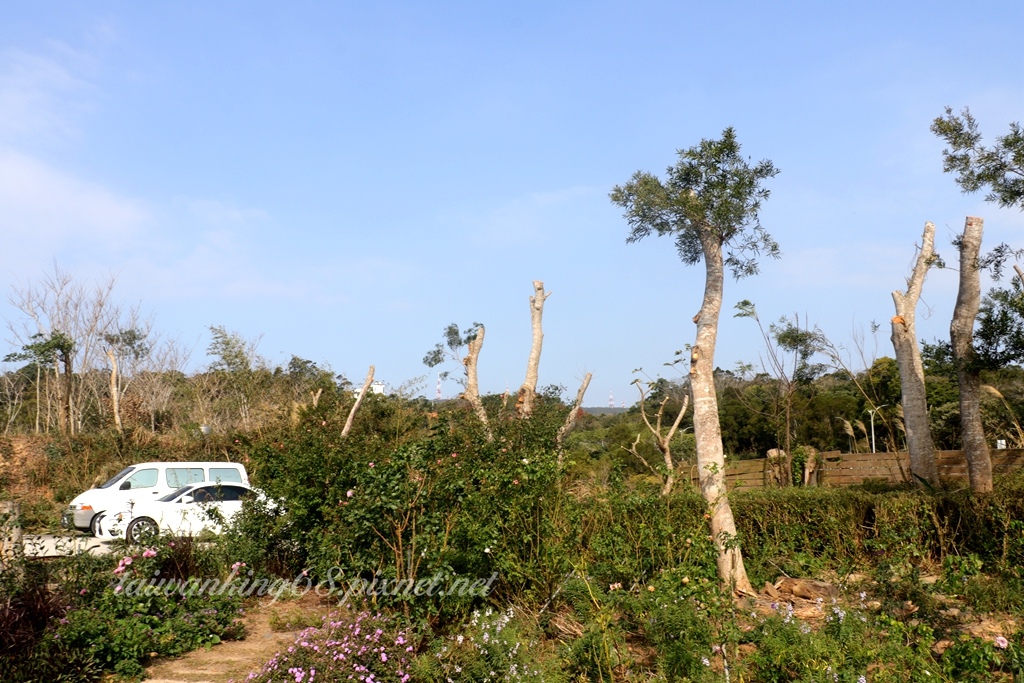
<point x="116" y="478"/>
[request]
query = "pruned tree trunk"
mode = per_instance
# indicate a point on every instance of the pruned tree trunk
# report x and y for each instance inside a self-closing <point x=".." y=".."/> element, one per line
<point x="908" y="358"/>
<point x="706" y="427"/>
<point x="961" y="334"/>
<point x="529" y="389"/>
<point x="115" y="391"/>
<point x="472" y="392"/>
<point x="359" y="401"/>
<point x="572" y="418"/>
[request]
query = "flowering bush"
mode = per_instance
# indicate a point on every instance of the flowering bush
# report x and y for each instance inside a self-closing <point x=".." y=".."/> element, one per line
<point x="144" y="608"/>
<point x="360" y="647"/>
<point x="491" y="647"/>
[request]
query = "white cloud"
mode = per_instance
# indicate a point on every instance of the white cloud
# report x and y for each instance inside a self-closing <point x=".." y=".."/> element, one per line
<point x="38" y="95"/>
<point x="49" y="210"/>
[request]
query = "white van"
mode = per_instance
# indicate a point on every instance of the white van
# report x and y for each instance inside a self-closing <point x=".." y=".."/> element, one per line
<point x="145" y="481"/>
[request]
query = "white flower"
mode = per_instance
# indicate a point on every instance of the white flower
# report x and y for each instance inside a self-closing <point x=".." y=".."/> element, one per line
<point x="487" y="550"/>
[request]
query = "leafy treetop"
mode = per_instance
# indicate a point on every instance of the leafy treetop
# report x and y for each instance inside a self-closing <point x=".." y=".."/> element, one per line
<point x="1000" y="168"/>
<point x="711" y="192"/>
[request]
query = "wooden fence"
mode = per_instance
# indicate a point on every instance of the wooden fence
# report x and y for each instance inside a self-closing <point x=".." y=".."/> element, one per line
<point x="848" y="469"/>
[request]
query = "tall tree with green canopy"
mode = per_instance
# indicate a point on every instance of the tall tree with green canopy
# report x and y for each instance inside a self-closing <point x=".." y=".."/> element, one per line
<point x="1000" y="170"/>
<point x="710" y="203"/>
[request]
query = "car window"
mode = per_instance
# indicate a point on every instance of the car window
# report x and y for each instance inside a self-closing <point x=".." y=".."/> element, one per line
<point x="204" y="494"/>
<point x="143" y="479"/>
<point x="219" y="493"/>
<point x="173" y="494"/>
<point x="116" y="478"/>
<point x="225" y="474"/>
<point x="231" y="493"/>
<point x="183" y="476"/>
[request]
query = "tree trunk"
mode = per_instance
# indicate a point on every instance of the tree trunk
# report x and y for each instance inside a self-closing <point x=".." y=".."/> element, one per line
<point x="908" y="357"/>
<point x="69" y="378"/>
<point x="39" y="380"/>
<point x="472" y="392"/>
<point x="961" y="334"/>
<point x="706" y="427"/>
<point x="115" y="393"/>
<point x="62" y="385"/>
<point x="571" y="418"/>
<point x="529" y="388"/>
<point x="359" y="401"/>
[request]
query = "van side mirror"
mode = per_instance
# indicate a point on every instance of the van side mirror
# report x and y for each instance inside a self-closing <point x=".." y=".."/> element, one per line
<point x="125" y="486"/>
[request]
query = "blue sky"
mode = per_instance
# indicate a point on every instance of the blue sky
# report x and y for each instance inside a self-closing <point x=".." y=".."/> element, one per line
<point x="342" y="180"/>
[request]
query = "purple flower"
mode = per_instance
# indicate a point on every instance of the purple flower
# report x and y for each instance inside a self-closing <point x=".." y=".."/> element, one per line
<point x="1002" y="643"/>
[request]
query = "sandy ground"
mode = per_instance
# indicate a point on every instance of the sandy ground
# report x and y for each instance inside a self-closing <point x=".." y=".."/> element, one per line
<point x="234" y="660"/>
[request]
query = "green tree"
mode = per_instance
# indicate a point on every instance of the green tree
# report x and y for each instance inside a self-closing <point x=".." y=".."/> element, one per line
<point x="709" y="203"/>
<point x="790" y="348"/>
<point x="240" y="368"/>
<point x="999" y="168"/>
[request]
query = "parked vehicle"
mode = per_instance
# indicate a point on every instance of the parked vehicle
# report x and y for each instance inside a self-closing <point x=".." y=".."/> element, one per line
<point x="142" y="482"/>
<point x="189" y="511"/>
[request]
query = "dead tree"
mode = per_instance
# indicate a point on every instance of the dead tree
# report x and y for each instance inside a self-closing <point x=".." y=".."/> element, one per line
<point x="571" y="419"/>
<point x="528" y="391"/>
<point x="961" y="335"/>
<point x="359" y="401"/>
<point x="662" y="441"/>
<point x="908" y="358"/>
<point x="472" y="392"/>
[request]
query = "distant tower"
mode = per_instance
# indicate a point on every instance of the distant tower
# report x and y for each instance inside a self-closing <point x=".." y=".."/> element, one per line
<point x="439" y="386"/>
<point x="611" y="399"/>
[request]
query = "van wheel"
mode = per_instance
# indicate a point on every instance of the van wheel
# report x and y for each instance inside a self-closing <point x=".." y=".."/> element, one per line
<point x="141" y="530"/>
<point x="94" y="525"/>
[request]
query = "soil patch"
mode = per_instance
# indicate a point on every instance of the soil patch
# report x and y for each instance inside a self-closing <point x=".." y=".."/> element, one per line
<point x="269" y="629"/>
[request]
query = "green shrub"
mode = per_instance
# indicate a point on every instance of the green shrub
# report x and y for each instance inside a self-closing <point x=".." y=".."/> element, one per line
<point x="490" y="646"/>
<point x="154" y="603"/>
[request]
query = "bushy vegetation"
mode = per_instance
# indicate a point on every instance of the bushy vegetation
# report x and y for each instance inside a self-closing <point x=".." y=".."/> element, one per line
<point x="74" y="617"/>
<point x="587" y="574"/>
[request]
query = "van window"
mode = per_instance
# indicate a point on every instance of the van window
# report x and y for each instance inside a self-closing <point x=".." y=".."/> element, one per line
<point x="143" y="479"/>
<point x="183" y="476"/>
<point x="225" y="474"/>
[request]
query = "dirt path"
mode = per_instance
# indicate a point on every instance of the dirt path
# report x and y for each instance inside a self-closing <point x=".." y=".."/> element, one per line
<point x="234" y="660"/>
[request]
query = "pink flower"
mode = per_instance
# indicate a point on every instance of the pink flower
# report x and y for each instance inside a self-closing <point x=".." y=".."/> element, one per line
<point x="118" y="588"/>
<point x="371" y="464"/>
<point x="455" y="455"/>
<point x="83" y="591"/>
<point x="149" y="552"/>
<point x="350" y="493"/>
<point x="120" y="568"/>
<point x="516" y="482"/>
<point x="1002" y="643"/>
<point x="127" y="561"/>
<point x="237" y="565"/>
